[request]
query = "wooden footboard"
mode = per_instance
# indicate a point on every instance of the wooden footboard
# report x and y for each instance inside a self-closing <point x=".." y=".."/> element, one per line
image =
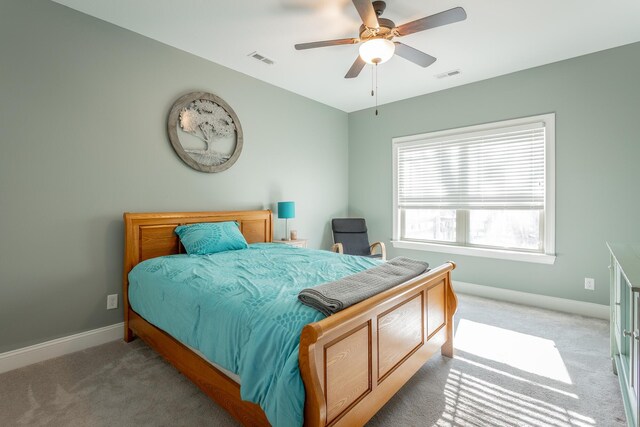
<point x="353" y="362"/>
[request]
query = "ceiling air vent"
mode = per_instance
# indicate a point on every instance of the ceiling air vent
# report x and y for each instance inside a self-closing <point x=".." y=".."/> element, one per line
<point x="448" y="74"/>
<point x="261" y="58"/>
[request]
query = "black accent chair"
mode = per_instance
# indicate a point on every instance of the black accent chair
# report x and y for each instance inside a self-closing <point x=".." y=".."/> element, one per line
<point x="350" y="237"/>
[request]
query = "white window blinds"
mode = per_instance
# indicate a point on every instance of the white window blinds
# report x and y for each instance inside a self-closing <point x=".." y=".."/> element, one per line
<point x="492" y="169"/>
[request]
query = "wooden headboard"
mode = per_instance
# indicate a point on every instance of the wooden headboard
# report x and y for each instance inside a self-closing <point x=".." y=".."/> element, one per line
<point x="150" y="235"/>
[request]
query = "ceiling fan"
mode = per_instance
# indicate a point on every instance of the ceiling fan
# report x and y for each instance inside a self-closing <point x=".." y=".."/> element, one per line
<point x="376" y="35"/>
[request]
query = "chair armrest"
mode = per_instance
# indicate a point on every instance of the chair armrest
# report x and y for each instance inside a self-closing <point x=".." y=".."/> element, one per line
<point x="337" y="248"/>
<point x="383" y="250"/>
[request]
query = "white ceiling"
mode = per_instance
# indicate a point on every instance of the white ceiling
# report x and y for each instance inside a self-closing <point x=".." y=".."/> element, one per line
<point x="498" y="37"/>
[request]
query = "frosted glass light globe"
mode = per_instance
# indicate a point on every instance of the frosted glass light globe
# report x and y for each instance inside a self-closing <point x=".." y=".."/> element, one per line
<point x="377" y="51"/>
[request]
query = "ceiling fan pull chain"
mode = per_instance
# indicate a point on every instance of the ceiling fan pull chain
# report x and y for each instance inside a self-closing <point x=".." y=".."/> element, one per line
<point x="371" y="81"/>
<point x="376" y="88"/>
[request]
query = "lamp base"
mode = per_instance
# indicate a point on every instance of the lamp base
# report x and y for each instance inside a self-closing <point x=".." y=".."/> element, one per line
<point x="286" y="229"/>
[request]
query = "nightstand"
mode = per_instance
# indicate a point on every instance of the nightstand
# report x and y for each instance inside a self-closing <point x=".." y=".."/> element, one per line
<point x="300" y="243"/>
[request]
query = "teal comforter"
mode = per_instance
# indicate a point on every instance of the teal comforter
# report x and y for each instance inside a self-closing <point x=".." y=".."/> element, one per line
<point x="240" y="309"/>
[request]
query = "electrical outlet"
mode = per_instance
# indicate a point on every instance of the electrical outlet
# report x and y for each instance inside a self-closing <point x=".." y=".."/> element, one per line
<point x="112" y="301"/>
<point x="589" y="283"/>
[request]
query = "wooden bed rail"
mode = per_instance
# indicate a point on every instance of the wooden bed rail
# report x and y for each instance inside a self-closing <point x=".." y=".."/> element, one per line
<point x="353" y="362"/>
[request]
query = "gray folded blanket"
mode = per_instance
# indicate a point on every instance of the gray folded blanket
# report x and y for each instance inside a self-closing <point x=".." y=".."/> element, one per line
<point x="329" y="298"/>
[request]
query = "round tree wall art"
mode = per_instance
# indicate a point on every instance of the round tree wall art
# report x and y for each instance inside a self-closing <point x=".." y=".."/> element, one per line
<point x="205" y="132"/>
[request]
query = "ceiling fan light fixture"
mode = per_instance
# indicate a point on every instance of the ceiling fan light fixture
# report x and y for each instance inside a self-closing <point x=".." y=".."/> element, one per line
<point x="377" y="51"/>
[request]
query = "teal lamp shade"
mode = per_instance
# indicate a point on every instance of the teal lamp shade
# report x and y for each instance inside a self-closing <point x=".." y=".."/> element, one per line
<point x="286" y="210"/>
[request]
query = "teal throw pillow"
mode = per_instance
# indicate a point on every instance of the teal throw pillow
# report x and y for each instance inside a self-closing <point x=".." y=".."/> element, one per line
<point x="211" y="237"/>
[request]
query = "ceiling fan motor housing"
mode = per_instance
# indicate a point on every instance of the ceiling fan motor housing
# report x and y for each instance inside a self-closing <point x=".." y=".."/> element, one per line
<point x="385" y="30"/>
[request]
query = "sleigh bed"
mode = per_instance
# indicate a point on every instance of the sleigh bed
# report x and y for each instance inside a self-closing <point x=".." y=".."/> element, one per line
<point x="351" y="363"/>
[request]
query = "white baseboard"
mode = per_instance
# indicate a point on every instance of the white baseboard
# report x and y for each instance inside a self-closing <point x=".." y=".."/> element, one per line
<point x="589" y="309"/>
<point x="59" y="347"/>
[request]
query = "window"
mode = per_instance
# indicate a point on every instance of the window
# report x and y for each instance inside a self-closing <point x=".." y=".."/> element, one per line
<point x="484" y="190"/>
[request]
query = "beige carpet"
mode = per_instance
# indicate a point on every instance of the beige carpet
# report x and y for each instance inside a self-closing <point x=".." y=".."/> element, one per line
<point x="514" y="366"/>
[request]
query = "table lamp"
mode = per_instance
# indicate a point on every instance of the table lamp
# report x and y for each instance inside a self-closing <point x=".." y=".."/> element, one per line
<point x="286" y="210"/>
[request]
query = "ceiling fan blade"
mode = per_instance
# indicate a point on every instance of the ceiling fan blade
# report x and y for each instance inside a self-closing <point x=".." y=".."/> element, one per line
<point x="414" y="55"/>
<point x="355" y="69"/>
<point x="302" y="46"/>
<point x="366" y="12"/>
<point x="443" y="18"/>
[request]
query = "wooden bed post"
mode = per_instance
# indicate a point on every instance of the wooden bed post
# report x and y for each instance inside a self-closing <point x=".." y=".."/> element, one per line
<point x="130" y="237"/>
<point x="452" y="307"/>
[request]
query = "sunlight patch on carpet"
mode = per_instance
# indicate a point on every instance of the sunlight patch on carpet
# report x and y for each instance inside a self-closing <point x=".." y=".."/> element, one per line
<point x="471" y="401"/>
<point x="522" y="351"/>
<point x="516" y="377"/>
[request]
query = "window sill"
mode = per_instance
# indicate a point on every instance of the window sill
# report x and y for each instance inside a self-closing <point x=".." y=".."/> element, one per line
<point x="480" y="252"/>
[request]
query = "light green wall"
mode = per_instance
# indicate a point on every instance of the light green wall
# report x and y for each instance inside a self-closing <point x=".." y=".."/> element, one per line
<point x="596" y="99"/>
<point x="83" y="107"/>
